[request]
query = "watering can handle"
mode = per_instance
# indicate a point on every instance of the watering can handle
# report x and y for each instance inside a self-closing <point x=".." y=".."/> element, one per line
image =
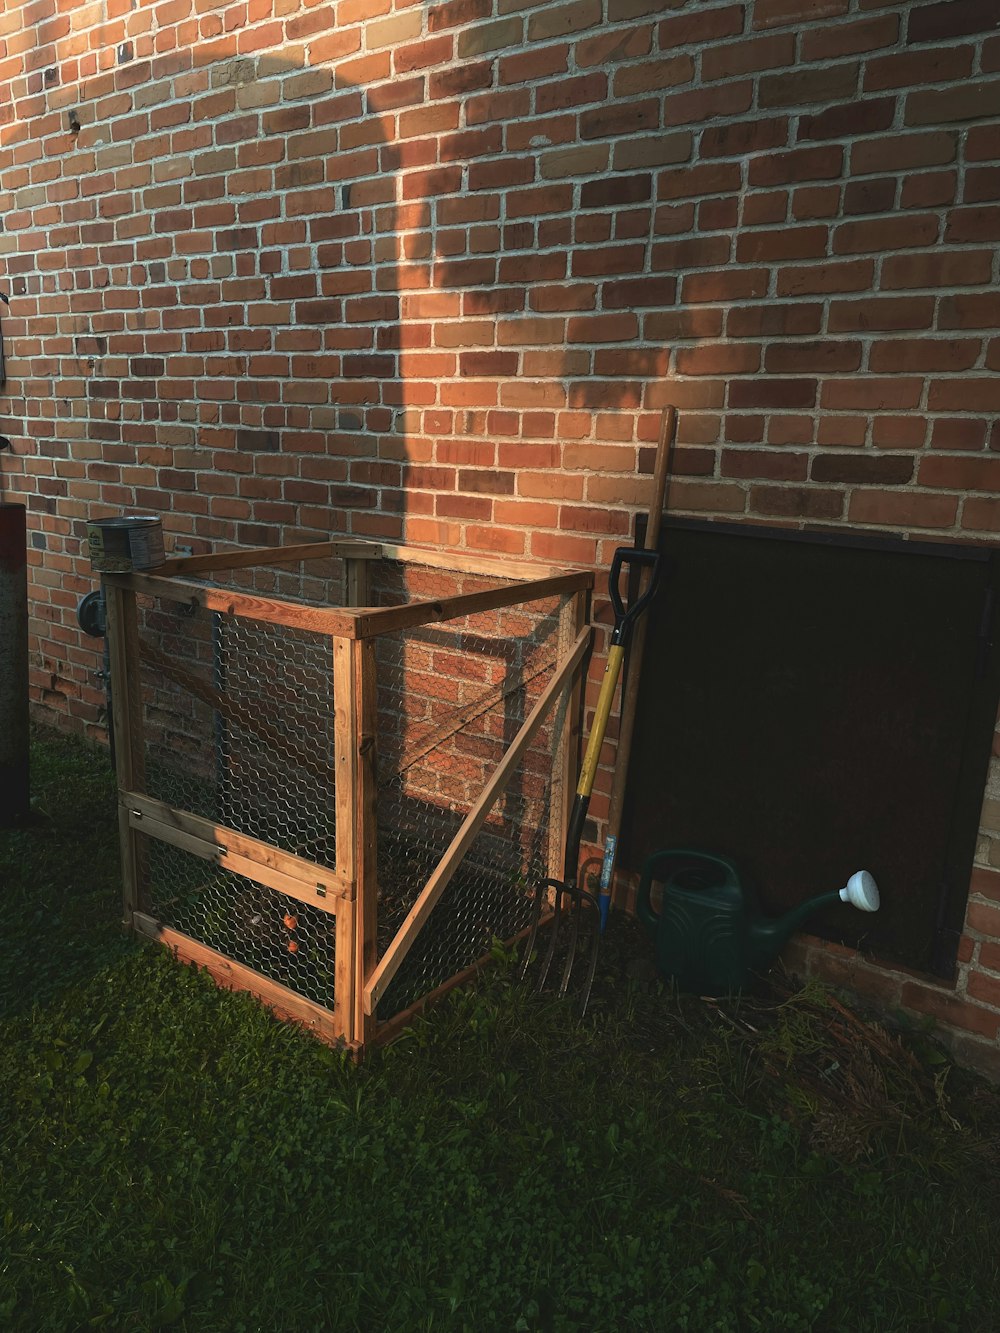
<point x="625" y="618"/>
<point x="644" y="901"/>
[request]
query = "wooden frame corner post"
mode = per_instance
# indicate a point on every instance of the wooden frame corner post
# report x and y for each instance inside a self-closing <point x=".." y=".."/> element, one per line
<point x="355" y="710"/>
<point x="126" y="721"/>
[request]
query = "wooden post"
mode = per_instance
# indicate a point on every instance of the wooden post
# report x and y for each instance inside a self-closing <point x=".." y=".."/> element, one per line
<point x="355" y="581"/>
<point x="126" y="697"/>
<point x="354" y="704"/>
<point x="366" y="830"/>
<point x="566" y="728"/>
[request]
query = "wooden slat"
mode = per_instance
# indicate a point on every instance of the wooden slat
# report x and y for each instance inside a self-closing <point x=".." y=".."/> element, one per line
<point x="123" y="651"/>
<point x="366" y="830"/>
<point x="345" y="795"/>
<point x="265" y="556"/>
<point x="325" y="1023"/>
<point x="429" y="611"/>
<point x="463" y="563"/>
<point x="473" y="822"/>
<point x="356" y="582"/>
<point x="344" y="988"/>
<point x="301" y="876"/>
<point x="320" y="620"/>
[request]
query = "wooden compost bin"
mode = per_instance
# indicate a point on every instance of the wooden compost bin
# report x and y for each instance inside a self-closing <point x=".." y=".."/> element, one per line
<point x="342" y="766"/>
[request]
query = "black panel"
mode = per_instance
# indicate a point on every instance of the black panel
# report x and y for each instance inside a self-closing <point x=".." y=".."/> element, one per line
<point x="812" y="707"/>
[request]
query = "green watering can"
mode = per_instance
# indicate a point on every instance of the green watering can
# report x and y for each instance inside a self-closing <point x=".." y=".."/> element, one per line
<point x="709" y="932"/>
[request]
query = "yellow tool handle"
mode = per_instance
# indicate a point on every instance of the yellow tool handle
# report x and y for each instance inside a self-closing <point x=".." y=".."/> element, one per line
<point x="616" y="655"/>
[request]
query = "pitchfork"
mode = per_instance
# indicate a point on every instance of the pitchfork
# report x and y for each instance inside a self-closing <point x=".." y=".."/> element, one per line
<point x="567" y="887"/>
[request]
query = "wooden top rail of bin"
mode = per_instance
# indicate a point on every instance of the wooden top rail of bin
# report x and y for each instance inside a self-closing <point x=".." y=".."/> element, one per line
<point x="523" y="582"/>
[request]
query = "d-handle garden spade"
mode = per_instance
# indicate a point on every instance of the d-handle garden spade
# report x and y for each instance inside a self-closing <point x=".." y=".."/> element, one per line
<point x="625" y="558"/>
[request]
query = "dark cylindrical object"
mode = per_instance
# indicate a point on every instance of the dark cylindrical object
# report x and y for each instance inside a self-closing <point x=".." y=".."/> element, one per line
<point x="14" y="783"/>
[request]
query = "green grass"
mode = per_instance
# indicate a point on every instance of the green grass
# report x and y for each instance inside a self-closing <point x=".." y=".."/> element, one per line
<point x="172" y="1156"/>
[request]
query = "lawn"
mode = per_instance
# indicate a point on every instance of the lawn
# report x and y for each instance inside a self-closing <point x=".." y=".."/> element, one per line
<point x="171" y="1156"/>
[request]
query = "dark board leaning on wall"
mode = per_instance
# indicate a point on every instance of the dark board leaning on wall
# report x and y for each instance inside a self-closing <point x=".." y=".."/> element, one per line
<point x="811" y="706"/>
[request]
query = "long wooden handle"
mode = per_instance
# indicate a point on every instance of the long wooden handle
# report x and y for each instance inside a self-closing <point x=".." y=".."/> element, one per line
<point x="630" y="696"/>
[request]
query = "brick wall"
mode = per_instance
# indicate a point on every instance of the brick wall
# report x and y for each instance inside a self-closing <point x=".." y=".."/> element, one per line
<point x="279" y="268"/>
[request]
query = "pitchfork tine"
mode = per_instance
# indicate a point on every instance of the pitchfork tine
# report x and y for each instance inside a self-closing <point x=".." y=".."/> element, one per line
<point x="574" y="935"/>
<point x="560" y="889"/>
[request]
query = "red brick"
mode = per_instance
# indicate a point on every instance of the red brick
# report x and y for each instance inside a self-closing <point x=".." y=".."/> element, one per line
<point x="952" y="473"/>
<point x="614" y="47"/>
<point x="968" y="225"/>
<point x="796" y="502"/>
<point x="984" y="989"/>
<point x="774" y="319"/>
<point x="694" y="182"/>
<point x="902" y="509"/>
<point x="882" y="312"/>
<point x="764" y="465"/>
<point x="748" y="56"/>
<point x="924" y="354"/>
<point x="779" y="393"/>
<point x="849" y="120"/>
<point x="698" y="252"/>
<point x="970" y="101"/>
<point x="979" y="310"/>
<point x="868" y="394"/>
<point x="700" y="26"/>
<point x="862" y="469"/>
<point x="958" y="433"/>
<point x="718" y="359"/>
<point x="902" y="152"/>
<point x="981" y="184"/>
<point x="907" y="69"/>
<point x="838" y="276"/>
<point x="950" y="1009"/>
<point x="634" y="293"/>
<point x="929" y="189"/>
<point x="847" y="39"/>
<point x="981" y="515"/>
<point x="701" y="104"/>
<point x="653" y="76"/>
<point x="947" y="19"/>
<point x="729" y="285"/>
<point x="620" y="118"/>
<point x="966" y="394"/>
<point x="936" y="269"/>
<point x="784" y="244"/>
<point x="745" y="137"/>
<point x="807" y="87"/>
<point x="779" y="13"/>
<point x="822" y="358"/>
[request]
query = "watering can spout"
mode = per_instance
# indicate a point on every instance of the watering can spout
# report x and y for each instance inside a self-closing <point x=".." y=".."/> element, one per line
<point x="768" y="936"/>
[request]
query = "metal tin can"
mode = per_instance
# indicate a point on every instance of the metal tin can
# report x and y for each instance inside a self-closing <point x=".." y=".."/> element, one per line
<point x="123" y="545"/>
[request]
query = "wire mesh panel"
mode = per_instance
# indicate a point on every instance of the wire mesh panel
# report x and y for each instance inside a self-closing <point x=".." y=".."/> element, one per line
<point x="238" y="724"/>
<point x="277" y="936"/>
<point x="451" y="698"/>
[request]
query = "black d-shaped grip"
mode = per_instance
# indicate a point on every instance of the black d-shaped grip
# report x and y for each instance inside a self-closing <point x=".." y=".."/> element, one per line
<point x="625" y="617"/>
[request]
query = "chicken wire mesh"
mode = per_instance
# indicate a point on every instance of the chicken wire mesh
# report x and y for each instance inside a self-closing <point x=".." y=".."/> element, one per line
<point x="238" y="725"/>
<point x="238" y="728"/>
<point x="451" y="698"/>
<point x="277" y="936"/>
